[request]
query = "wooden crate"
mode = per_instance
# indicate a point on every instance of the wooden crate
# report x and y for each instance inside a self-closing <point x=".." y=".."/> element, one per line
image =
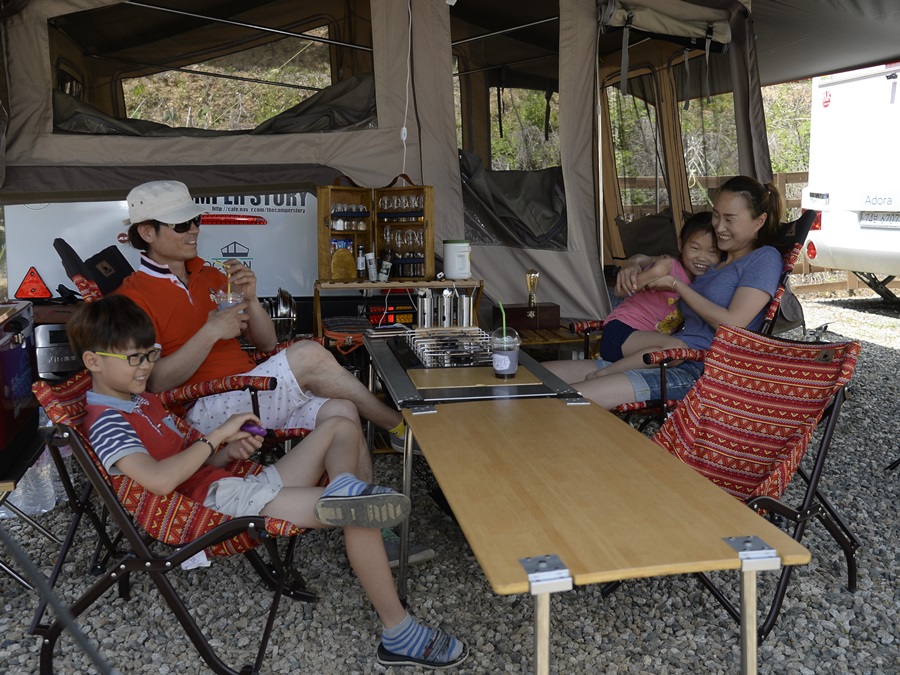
<point x="404" y="229"/>
<point x="397" y="222"/>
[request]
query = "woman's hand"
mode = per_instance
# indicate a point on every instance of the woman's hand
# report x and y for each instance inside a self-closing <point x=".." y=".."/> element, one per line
<point x="626" y="279"/>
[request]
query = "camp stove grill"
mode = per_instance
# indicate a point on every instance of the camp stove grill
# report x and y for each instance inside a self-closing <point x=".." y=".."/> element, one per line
<point x="442" y="348"/>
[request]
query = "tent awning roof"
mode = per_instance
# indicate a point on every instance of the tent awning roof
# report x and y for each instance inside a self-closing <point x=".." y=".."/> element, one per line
<point x="796" y="39"/>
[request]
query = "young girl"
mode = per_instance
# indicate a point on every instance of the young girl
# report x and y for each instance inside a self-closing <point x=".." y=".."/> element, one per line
<point x="132" y="434"/>
<point x="647" y="315"/>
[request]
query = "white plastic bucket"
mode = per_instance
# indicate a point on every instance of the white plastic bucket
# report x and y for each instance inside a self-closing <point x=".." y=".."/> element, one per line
<point x="456" y="259"/>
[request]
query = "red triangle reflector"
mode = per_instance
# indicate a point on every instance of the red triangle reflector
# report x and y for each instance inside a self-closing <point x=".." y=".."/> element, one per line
<point x="33" y="286"/>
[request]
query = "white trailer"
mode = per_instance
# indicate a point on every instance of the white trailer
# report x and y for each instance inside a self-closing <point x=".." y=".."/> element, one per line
<point x="854" y="174"/>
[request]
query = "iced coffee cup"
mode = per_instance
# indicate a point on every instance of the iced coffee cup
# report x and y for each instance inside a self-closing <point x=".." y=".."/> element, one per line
<point x="505" y="352"/>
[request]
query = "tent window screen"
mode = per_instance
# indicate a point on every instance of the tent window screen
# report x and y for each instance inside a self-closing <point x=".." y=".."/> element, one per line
<point x="709" y="137"/>
<point x="273" y="67"/>
<point x="525" y="129"/>
<point x="637" y="147"/>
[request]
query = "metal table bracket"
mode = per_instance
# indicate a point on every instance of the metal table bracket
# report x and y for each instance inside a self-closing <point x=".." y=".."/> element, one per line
<point x="755" y="556"/>
<point x="546" y="574"/>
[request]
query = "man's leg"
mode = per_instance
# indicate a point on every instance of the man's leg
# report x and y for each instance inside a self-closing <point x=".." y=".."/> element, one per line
<point x="317" y="371"/>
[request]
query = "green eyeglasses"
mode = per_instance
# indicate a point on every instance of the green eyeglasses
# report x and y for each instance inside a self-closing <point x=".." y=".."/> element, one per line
<point x="181" y="228"/>
<point x="137" y="358"/>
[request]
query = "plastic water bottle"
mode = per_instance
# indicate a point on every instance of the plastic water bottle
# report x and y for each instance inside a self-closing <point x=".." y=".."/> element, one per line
<point x="34" y="494"/>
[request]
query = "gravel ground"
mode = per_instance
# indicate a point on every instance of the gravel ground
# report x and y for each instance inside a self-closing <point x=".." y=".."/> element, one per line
<point x="665" y="625"/>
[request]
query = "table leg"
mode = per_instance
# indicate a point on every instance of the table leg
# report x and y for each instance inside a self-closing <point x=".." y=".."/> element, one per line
<point x="542" y="633"/>
<point x="370" y="427"/>
<point x="404" y="526"/>
<point x="749" y="637"/>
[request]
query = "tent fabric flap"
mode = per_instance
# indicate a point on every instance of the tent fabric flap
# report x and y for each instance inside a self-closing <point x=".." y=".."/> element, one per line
<point x="526" y="209"/>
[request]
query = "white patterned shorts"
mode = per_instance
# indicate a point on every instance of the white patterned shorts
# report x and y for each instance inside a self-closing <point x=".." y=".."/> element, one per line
<point x="285" y="407"/>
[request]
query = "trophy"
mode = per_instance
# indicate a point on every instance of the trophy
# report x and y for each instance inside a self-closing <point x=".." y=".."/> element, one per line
<point x="531" y="279"/>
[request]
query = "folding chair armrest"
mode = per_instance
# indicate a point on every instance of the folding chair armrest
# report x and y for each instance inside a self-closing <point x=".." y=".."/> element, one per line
<point x="259" y="356"/>
<point x="286" y="434"/>
<point x="666" y="355"/>
<point x="191" y="392"/>
<point x="586" y="328"/>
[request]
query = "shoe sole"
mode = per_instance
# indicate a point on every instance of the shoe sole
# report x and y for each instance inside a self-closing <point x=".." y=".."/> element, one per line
<point x="378" y="510"/>
<point x="387" y="658"/>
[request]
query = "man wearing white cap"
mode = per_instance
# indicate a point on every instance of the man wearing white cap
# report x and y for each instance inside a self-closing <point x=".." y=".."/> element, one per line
<point x="199" y="341"/>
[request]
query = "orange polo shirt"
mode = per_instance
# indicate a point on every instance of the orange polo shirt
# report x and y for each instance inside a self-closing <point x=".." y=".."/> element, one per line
<point x="178" y="313"/>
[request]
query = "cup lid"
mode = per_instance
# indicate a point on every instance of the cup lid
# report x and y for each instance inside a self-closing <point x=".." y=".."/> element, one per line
<point x="456" y="241"/>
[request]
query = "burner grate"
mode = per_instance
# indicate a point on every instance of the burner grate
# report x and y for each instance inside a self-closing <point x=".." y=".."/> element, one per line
<point x="450" y="347"/>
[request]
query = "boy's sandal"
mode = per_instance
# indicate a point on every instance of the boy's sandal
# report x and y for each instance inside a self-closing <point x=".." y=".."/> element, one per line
<point x="387" y="658"/>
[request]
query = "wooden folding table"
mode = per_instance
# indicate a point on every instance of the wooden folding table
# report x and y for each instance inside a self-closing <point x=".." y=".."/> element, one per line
<point x="550" y="493"/>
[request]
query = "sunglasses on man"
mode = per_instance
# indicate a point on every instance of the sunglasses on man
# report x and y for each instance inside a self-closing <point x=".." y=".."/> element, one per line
<point x="181" y="228"/>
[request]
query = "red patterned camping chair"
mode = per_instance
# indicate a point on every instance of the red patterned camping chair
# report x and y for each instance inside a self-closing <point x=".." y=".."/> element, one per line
<point x="171" y="519"/>
<point x="791" y="237"/>
<point x="746" y="425"/>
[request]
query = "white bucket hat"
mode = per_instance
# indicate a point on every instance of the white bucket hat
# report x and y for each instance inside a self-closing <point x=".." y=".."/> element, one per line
<point x="167" y="201"/>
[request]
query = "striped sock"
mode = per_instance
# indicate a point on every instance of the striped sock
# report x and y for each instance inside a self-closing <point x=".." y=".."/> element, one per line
<point x="348" y="485"/>
<point x="410" y="638"/>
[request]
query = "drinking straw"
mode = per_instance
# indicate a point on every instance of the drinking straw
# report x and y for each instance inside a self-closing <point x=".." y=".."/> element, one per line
<point x="503" y="315"/>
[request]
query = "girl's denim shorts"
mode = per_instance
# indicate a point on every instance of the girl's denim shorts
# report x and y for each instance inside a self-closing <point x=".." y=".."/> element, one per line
<point x="646" y="382"/>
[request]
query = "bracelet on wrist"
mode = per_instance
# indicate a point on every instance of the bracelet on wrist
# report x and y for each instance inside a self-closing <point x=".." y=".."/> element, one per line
<point x="212" y="448"/>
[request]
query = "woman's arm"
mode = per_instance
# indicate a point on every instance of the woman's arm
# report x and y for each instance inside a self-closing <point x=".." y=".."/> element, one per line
<point x="745" y="304"/>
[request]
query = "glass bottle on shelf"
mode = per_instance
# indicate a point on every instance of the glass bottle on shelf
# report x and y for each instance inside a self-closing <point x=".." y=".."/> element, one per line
<point x="360" y="262"/>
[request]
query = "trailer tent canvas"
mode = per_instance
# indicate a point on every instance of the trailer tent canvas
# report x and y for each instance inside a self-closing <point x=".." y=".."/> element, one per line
<point x="57" y="50"/>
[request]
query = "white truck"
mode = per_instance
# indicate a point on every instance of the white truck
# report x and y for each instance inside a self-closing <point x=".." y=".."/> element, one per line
<point x="854" y="175"/>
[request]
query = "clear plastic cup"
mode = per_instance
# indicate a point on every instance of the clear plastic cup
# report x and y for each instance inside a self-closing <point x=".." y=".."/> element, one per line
<point x="505" y="352"/>
<point x="224" y="300"/>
